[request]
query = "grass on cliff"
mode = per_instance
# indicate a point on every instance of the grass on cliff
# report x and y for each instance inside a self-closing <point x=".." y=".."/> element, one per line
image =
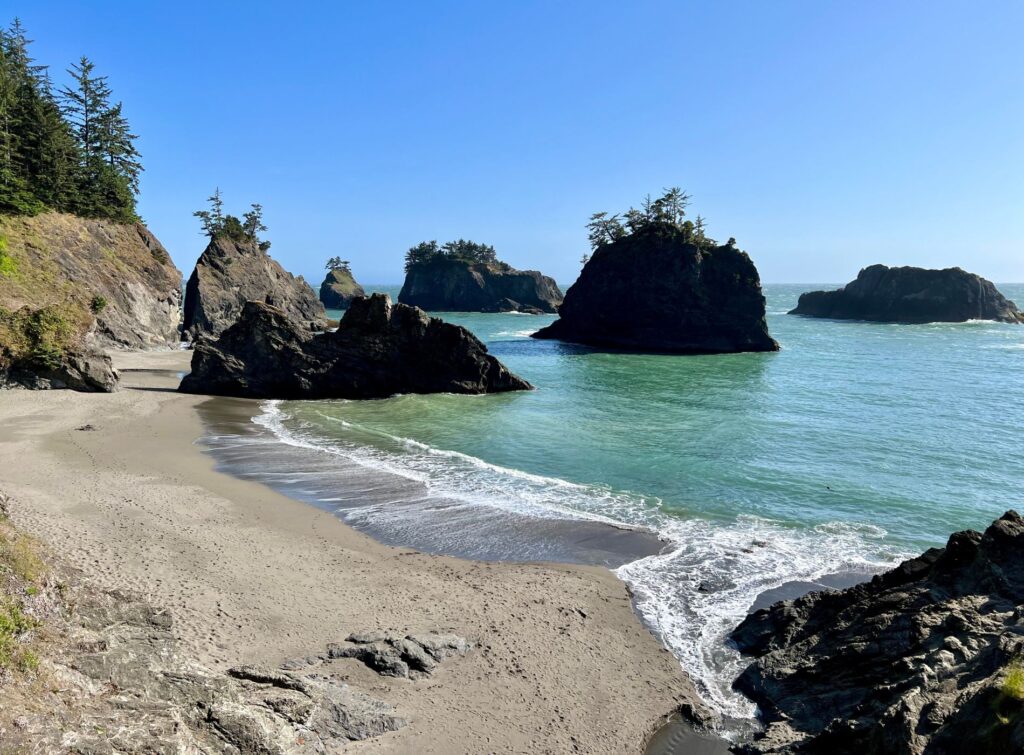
<point x="21" y="573"/>
<point x="8" y="265"/>
<point x="40" y="336"/>
<point x="1013" y="685"/>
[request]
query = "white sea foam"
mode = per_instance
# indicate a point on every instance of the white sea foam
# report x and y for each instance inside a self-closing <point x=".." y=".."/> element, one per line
<point x="692" y="595"/>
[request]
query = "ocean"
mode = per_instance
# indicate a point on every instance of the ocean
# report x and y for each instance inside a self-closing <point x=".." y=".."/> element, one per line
<point x="855" y="446"/>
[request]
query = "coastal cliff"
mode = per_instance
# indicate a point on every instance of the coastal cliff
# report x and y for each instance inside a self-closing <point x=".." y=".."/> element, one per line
<point x="339" y="289"/>
<point x="911" y="295"/>
<point x="231" y="272"/>
<point x="655" y="290"/>
<point x="378" y="350"/>
<point x="926" y="658"/>
<point x="453" y="285"/>
<point x="71" y="287"/>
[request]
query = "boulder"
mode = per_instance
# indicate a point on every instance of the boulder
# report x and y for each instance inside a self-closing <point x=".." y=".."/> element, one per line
<point x="911" y="295"/>
<point x="378" y="350"/>
<point x="452" y="285"/>
<point x="925" y="658"/>
<point x="339" y="289"/>
<point x="230" y="273"/>
<point x="655" y="291"/>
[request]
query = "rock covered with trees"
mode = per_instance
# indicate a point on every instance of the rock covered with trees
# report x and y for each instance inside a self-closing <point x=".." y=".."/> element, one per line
<point x="339" y="287"/>
<point x="911" y="295"/>
<point x="234" y="269"/>
<point x="464" y="276"/>
<point x="926" y="658"/>
<point x="655" y="281"/>
<point x="378" y="350"/>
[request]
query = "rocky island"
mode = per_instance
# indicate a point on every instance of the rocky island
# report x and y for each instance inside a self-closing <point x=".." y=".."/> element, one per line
<point x="911" y="295"/>
<point x="926" y="658"/>
<point x="378" y="350"/>
<point x="463" y="276"/>
<point x="235" y="268"/>
<point x="658" y="283"/>
<point x="339" y="287"/>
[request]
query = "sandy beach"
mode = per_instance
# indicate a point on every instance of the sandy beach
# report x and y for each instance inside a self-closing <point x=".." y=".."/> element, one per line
<point x="562" y="665"/>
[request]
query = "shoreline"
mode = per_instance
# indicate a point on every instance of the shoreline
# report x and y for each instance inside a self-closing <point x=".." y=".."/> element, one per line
<point x="252" y="575"/>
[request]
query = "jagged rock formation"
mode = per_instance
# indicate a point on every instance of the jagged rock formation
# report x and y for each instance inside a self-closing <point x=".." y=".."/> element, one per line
<point x="230" y="273"/>
<point x="925" y="658"/>
<point x="377" y="351"/>
<point x="655" y="291"/>
<point x="339" y="289"/>
<point x="115" y="281"/>
<point x="102" y="672"/>
<point x="451" y="285"/>
<point x="911" y="295"/>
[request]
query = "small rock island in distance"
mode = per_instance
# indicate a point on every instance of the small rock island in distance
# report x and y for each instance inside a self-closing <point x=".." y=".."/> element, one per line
<point x="656" y="282"/>
<point x="339" y="288"/>
<point x="463" y="276"/>
<point x="911" y="295"/>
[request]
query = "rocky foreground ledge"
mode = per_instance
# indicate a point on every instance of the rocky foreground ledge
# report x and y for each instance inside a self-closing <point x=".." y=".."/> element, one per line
<point x="926" y="658"/>
<point x="378" y="350"/>
<point x="911" y="295"/>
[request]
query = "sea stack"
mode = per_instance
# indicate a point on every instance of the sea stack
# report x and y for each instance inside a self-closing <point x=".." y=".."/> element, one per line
<point x="233" y="271"/>
<point x="660" y="289"/>
<point x="925" y="658"/>
<point x="462" y="276"/>
<point x="911" y="295"/>
<point x="339" y="288"/>
<point x="378" y="350"/>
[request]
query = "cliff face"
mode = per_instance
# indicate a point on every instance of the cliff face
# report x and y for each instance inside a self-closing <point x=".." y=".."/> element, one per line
<point x="339" y="289"/>
<point x="118" y="278"/>
<point x="377" y="351"/>
<point x="911" y="295"/>
<point x="446" y="285"/>
<point x="926" y="658"/>
<point x="229" y="274"/>
<point x="652" y="291"/>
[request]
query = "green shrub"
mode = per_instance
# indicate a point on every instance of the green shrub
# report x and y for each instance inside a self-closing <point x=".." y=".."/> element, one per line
<point x="1013" y="685"/>
<point x="97" y="304"/>
<point x="8" y="265"/>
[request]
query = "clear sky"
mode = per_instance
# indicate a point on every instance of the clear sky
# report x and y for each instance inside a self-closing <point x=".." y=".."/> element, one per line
<point x="824" y="136"/>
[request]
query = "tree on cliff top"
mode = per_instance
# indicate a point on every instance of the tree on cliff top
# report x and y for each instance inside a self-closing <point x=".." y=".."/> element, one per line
<point x="72" y="150"/>
<point x="462" y="250"/>
<point x="666" y="213"/>
<point x="337" y="263"/>
<point x="218" y="225"/>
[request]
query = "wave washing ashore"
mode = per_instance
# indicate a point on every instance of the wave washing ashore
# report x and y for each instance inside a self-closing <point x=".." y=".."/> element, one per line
<point x="858" y="444"/>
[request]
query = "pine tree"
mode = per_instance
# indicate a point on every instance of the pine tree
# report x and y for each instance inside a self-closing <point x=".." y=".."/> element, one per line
<point x="212" y="220"/>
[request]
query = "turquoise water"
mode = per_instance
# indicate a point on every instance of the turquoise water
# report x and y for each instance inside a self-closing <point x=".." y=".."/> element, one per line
<point x="855" y="445"/>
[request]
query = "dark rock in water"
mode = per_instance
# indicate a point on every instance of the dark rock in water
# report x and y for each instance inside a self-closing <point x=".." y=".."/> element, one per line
<point x="452" y="285"/>
<point x="925" y="658"/>
<point x="378" y="350"/>
<point x="229" y="274"/>
<point x="911" y="295"/>
<point x="655" y="291"/>
<point x="339" y="289"/>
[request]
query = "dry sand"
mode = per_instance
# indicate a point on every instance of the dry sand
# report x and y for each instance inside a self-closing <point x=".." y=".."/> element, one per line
<point x="563" y="663"/>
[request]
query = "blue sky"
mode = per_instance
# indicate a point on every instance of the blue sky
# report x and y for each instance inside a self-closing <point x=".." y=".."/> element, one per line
<point x="823" y="136"/>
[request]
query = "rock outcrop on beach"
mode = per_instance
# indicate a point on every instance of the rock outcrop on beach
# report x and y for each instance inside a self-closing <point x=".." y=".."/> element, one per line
<point x="87" y="670"/>
<point x="231" y="272"/>
<point x="911" y="295"/>
<point x="926" y="658"/>
<point x="339" y="289"/>
<point x="655" y="291"/>
<point x="453" y="285"/>
<point x="378" y="350"/>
